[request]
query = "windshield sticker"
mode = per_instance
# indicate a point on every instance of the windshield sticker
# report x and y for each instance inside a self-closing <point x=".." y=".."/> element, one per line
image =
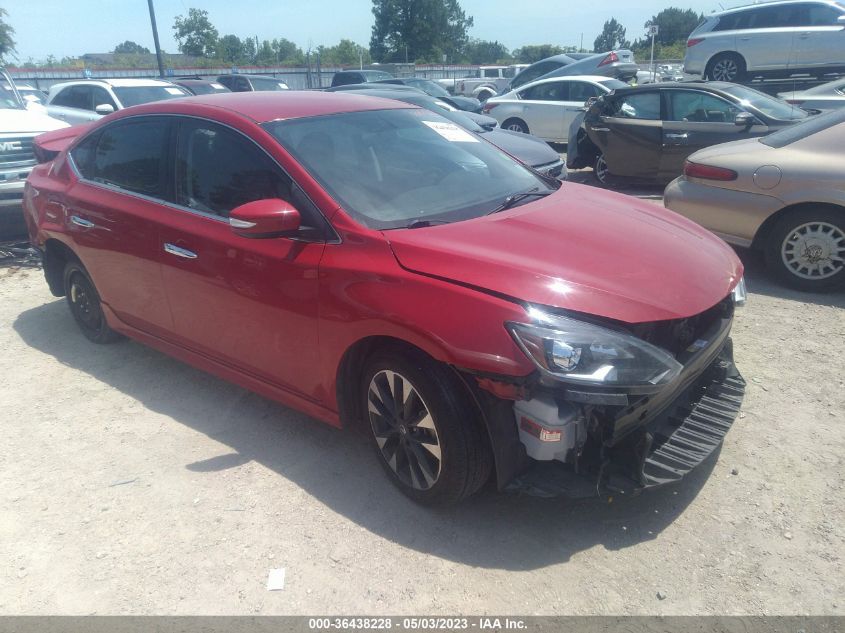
<point x="217" y="86"/>
<point x="174" y="91"/>
<point x="451" y="132"/>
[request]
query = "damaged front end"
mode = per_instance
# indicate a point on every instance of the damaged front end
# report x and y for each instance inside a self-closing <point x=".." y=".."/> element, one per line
<point x="617" y="409"/>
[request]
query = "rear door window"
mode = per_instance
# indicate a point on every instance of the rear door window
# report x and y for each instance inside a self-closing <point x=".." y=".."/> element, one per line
<point x="700" y="107"/>
<point x="131" y="155"/>
<point x="580" y="91"/>
<point x="75" y="97"/>
<point x="553" y="91"/>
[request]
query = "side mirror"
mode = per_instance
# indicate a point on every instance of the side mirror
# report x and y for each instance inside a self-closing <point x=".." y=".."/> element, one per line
<point x="104" y="108"/>
<point x="744" y="119"/>
<point x="841" y="20"/>
<point x="263" y="219"/>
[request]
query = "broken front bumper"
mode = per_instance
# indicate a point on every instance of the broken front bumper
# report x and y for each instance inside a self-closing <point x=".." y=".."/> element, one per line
<point x="672" y="435"/>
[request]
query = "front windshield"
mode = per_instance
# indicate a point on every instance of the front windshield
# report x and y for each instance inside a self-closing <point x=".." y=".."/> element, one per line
<point x="429" y="87"/>
<point x="268" y="85"/>
<point x="8" y="100"/>
<point x="769" y="106"/>
<point x="805" y="129"/>
<point x="391" y="168"/>
<point x="136" y="95"/>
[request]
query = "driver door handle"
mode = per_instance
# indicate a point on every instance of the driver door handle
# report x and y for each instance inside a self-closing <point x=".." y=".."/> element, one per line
<point x="179" y="251"/>
<point x="85" y="224"/>
<point x="678" y="136"/>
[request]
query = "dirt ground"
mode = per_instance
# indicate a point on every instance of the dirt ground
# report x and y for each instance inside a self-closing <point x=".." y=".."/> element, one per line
<point x="132" y="483"/>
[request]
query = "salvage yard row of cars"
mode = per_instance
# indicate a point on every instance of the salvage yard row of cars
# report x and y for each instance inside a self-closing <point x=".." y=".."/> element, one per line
<point x="341" y="239"/>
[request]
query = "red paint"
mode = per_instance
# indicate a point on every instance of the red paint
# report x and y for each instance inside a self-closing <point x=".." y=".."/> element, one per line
<point x="278" y="315"/>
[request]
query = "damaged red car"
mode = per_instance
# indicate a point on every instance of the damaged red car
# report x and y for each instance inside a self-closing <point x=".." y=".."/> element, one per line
<point x="375" y="266"/>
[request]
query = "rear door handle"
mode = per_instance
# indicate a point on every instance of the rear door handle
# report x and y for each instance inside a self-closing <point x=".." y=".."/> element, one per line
<point x="678" y="136"/>
<point x="86" y="224"/>
<point x="601" y="129"/>
<point x="179" y="251"/>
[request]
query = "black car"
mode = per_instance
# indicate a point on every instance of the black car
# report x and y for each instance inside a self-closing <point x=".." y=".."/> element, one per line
<point x="197" y="86"/>
<point x="647" y="132"/>
<point x="346" y="77"/>
<point x="433" y="89"/>
<point x="526" y="148"/>
<point x="250" y="83"/>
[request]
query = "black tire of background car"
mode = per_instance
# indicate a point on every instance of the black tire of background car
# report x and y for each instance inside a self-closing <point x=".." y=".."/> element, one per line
<point x="600" y="169"/>
<point x="484" y="95"/>
<point x="84" y="303"/>
<point x="516" y="125"/>
<point x="467" y="461"/>
<point x="722" y="58"/>
<point x="783" y="228"/>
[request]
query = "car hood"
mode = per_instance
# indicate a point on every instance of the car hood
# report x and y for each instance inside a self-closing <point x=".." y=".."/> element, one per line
<point x="580" y="249"/>
<point x="525" y="148"/>
<point x="464" y="103"/>
<point x="14" y="121"/>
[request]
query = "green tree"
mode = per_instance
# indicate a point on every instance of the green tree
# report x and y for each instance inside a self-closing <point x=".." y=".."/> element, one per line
<point x="287" y="52"/>
<point x="7" y="41"/>
<point x="344" y="53"/>
<point x="265" y="56"/>
<point x="535" y="52"/>
<point x="418" y="30"/>
<point x="230" y="49"/>
<point x="674" y="24"/>
<point x="612" y="37"/>
<point x="484" y="52"/>
<point x="130" y="48"/>
<point x="195" y="34"/>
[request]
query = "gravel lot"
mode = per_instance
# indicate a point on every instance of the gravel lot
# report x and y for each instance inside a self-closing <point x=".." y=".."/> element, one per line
<point x="132" y="483"/>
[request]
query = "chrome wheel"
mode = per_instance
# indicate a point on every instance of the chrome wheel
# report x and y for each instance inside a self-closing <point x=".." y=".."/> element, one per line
<point x="725" y="69"/>
<point x="814" y="250"/>
<point x="600" y="169"/>
<point x="516" y="126"/>
<point x="404" y="430"/>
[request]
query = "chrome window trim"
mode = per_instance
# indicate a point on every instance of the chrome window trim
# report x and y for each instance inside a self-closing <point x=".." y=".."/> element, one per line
<point x="178" y="207"/>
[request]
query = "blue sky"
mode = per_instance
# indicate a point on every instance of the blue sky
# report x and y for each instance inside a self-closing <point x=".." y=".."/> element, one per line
<point x="73" y="27"/>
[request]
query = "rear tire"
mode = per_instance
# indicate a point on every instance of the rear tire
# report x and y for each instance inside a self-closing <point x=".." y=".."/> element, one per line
<point x="483" y="95"/>
<point x="516" y="125"/>
<point x="806" y="249"/>
<point x="728" y="67"/>
<point x="85" y="306"/>
<point x="425" y="429"/>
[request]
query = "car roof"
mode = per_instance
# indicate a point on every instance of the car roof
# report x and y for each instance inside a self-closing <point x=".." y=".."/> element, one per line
<point x="594" y="78"/>
<point x="262" y="107"/>
<point x="115" y="83"/>
<point x="774" y="3"/>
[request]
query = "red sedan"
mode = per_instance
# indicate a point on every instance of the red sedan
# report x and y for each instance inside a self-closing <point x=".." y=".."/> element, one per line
<point x="372" y="264"/>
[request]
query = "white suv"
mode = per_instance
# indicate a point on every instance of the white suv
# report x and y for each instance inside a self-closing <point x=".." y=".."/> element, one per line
<point x="770" y="38"/>
<point x="87" y="100"/>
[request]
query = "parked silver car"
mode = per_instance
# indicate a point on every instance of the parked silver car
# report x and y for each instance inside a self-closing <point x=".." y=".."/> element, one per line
<point x="829" y="96"/>
<point x="89" y="99"/>
<point x="769" y="38"/>
<point x="782" y="194"/>
<point x="546" y="108"/>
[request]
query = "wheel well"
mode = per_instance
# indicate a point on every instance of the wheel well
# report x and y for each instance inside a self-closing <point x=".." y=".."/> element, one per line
<point x="56" y="256"/>
<point x="762" y="235"/>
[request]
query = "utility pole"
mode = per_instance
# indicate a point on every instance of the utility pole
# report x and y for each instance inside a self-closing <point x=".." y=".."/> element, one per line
<point x="581" y="48"/>
<point x="155" y="39"/>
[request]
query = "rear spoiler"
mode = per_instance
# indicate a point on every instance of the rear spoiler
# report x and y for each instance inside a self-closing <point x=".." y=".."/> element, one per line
<point x="48" y="145"/>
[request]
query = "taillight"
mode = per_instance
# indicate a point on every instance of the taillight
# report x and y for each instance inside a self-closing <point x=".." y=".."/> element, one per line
<point x="693" y="41"/>
<point x="708" y="172"/>
<point x="487" y="107"/>
<point x="612" y="57"/>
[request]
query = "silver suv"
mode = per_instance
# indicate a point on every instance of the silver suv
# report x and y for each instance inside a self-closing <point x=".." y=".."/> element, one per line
<point x="771" y="38"/>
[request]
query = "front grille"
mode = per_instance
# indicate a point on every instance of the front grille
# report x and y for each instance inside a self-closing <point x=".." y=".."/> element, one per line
<point x="16" y="151"/>
<point x="677" y="335"/>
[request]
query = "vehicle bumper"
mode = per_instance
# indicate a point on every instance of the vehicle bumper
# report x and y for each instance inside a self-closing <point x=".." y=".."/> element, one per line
<point x="735" y="216"/>
<point x="590" y="450"/>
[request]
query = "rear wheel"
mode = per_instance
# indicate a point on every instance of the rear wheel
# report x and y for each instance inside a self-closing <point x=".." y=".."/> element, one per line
<point x="427" y="433"/>
<point x="483" y="95"/>
<point x="84" y="303"/>
<point x="600" y="169"/>
<point x="726" y="67"/>
<point x="806" y="249"/>
<point x="516" y="125"/>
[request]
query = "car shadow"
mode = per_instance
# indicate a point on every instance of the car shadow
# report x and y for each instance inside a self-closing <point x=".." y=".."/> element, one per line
<point x="339" y="469"/>
<point x="760" y="281"/>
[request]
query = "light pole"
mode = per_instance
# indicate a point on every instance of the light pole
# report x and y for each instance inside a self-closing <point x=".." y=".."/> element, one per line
<point x="652" y="30"/>
<point x="155" y="38"/>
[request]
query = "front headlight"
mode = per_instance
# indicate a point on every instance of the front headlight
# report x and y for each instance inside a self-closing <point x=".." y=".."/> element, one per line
<point x="739" y="293"/>
<point x="575" y="351"/>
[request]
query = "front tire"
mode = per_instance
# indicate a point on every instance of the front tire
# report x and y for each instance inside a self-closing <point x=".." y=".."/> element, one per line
<point x="425" y="429"/>
<point x="600" y="170"/>
<point x="84" y="303"/>
<point x="728" y="67"/>
<point x="516" y="125"/>
<point x="806" y="249"/>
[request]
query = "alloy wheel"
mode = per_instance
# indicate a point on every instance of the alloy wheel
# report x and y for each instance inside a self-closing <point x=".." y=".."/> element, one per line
<point x="600" y="169"/>
<point x="404" y="430"/>
<point x="726" y="69"/>
<point x="814" y="250"/>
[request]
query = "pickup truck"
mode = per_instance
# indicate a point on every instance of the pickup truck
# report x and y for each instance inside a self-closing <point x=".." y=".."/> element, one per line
<point x="487" y="81"/>
<point x="21" y="120"/>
